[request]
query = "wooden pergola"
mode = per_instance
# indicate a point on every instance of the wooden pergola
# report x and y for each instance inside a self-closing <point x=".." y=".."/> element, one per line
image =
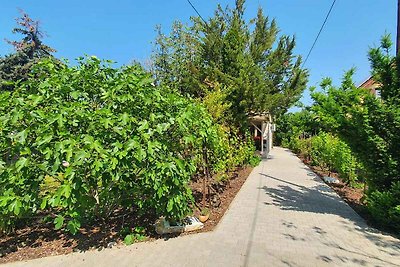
<point x="263" y="129"/>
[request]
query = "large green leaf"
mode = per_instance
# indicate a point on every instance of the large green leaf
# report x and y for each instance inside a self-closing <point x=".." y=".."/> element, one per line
<point x="15" y="206"/>
<point x="58" y="222"/>
<point x="73" y="226"/>
<point x="21" y="163"/>
<point x="21" y="136"/>
<point x="129" y="239"/>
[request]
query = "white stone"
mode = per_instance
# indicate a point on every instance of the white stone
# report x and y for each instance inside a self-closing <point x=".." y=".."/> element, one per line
<point x="189" y="224"/>
<point x="330" y="180"/>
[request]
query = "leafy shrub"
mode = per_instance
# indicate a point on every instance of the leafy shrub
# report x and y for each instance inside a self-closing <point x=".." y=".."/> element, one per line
<point x="295" y="145"/>
<point x="300" y="146"/>
<point x="232" y="151"/>
<point x="346" y="164"/>
<point x="254" y="160"/>
<point x="333" y="155"/>
<point x="330" y="153"/>
<point x="80" y="141"/>
<point x="323" y="151"/>
<point x="385" y="206"/>
<point x="130" y="237"/>
<point x="292" y="125"/>
<point x="367" y="125"/>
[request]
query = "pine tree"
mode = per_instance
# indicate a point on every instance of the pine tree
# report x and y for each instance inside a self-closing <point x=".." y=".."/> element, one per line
<point x="17" y="66"/>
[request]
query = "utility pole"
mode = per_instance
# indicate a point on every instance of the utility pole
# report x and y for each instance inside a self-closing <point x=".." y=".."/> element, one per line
<point x="398" y="29"/>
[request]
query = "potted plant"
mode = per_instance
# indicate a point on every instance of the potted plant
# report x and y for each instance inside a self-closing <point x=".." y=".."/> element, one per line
<point x="204" y="215"/>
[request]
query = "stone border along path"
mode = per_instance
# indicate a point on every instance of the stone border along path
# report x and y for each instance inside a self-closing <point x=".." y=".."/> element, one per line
<point x="284" y="215"/>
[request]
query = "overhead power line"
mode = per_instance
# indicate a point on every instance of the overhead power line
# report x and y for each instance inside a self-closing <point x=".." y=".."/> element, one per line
<point x="194" y="8"/>
<point x="319" y="33"/>
<point x="398" y="29"/>
<point x="316" y="38"/>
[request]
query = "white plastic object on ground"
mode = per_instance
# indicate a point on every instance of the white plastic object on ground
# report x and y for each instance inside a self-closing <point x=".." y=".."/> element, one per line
<point x="189" y="224"/>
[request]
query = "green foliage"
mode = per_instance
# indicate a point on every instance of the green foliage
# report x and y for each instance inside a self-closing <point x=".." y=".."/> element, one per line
<point x="204" y="211"/>
<point x="370" y="127"/>
<point x="298" y="145"/>
<point x="333" y="155"/>
<point x="329" y="153"/>
<point x="385" y="70"/>
<point x="216" y="104"/>
<point x="385" y="206"/>
<point x="347" y="165"/>
<point x="231" y="151"/>
<point x="293" y="125"/>
<point x="81" y="141"/>
<point x="254" y="161"/>
<point x="255" y="70"/>
<point x="323" y="151"/>
<point x="138" y="234"/>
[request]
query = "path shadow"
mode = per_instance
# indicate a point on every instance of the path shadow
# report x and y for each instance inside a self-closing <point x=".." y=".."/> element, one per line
<point x="321" y="199"/>
<point x="288" y="150"/>
<point x="317" y="199"/>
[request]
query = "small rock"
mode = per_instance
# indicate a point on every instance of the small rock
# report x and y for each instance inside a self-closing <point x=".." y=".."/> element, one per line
<point x="330" y="180"/>
<point x="111" y="244"/>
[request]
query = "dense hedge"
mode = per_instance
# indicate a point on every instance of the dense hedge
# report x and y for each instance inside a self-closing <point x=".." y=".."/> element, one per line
<point x="371" y="128"/>
<point x="384" y="205"/>
<point x="369" y="146"/>
<point x="79" y="142"/>
<point x="330" y="153"/>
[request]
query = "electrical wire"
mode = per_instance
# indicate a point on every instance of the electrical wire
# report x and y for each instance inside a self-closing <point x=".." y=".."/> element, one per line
<point x="316" y="38"/>
<point x="319" y="33"/>
<point x="194" y="8"/>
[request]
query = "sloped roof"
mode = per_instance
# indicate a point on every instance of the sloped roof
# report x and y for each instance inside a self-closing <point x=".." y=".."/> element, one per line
<point x="370" y="84"/>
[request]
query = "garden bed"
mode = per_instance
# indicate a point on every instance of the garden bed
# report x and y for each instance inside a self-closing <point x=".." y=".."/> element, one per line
<point x="37" y="239"/>
<point x="227" y="191"/>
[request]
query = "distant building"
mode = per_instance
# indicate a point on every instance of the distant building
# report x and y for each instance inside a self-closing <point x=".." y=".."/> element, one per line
<point x="371" y="85"/>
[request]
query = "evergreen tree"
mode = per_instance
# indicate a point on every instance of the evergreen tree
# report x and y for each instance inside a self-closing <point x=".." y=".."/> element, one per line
<point x="386" y="70"/>
<point x="248" y="68"/>
<point x="16" y="66"/>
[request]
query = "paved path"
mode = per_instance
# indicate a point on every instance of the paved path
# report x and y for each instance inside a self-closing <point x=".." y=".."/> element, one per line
<point x="283" y="216"/>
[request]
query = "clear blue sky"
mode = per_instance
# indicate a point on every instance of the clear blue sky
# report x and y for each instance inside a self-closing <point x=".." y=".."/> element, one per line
<point x="123" y="30"/>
